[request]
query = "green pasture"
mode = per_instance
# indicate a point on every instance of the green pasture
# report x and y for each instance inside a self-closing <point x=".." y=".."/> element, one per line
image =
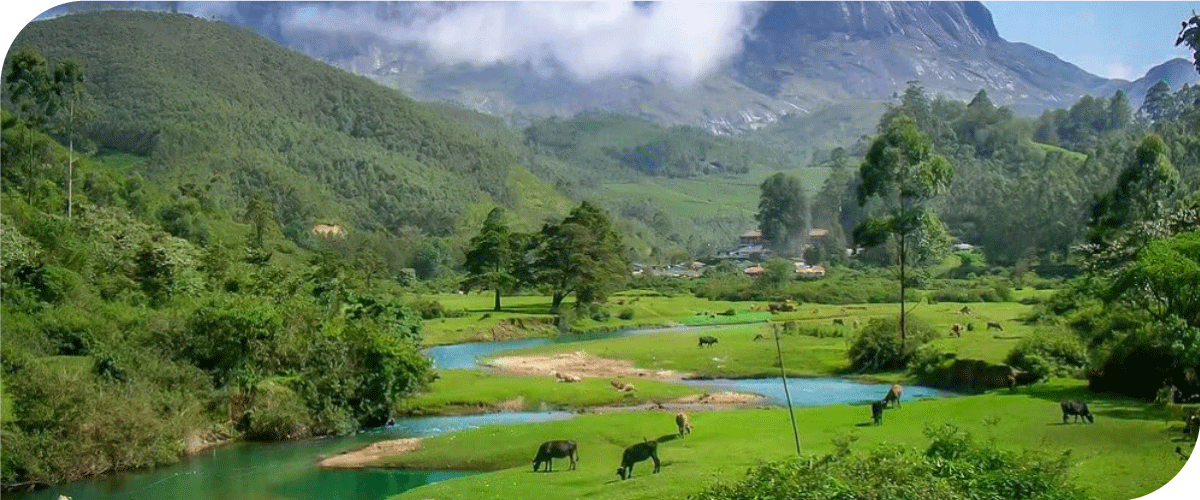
<point x="738" y="355"/>
<point x="1127" y="453"/>
<point x="479" y="322"/>
<point x="477" y="391"/>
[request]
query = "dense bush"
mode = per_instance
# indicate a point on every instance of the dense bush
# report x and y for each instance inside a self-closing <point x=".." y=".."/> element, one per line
<point x="953" y="467"/>
<point x="877" y="347"/>
<point x="1046" y="352"/>
<point x="626" y="314"/>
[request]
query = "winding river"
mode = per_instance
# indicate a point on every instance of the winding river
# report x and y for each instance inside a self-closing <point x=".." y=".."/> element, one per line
<point x="287" y="471"/>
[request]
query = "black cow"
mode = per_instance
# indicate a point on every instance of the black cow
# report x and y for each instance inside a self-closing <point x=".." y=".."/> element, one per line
<point x="1191" y="424"/>
<point x="706" y="340"/>
<point x="1078" y="409"/>
<point x="637" y="453"/>
<point x="877" y="412"/>
<point x="550" y="450"/>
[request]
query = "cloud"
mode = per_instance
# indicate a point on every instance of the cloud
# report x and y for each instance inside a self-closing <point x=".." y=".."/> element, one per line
<point x="676" y="41"/>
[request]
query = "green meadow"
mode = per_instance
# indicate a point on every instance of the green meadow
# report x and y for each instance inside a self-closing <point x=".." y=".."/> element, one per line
<point x="1127" y="453"/>
<point x="477" y="391"/>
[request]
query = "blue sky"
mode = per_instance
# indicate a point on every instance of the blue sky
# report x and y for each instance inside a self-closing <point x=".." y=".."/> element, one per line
<point x="1110" y="39"/>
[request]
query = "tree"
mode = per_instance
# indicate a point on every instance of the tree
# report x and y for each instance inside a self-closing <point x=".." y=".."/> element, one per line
<point x="1143" y="191"/>
<point x="782" y="212"/>
<point x="1159" y="103"/>
<point x="581" y="255"/>
<point x="1189" y="34"/>
<point x="902" y="171"/>
<point x="1120" y="112"/>
<point x="73" y="108"/>
<point x="490" y="259"/>
<point x="28" y="86"/>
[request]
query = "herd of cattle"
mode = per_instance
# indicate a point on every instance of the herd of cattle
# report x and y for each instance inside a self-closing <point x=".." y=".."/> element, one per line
<point x="964" y="374"/>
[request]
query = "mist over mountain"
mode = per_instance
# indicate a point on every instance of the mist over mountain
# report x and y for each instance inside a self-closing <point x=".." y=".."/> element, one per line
<point x="728" y="67"/>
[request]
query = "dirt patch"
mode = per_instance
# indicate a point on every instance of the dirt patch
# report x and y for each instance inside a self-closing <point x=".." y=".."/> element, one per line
<point x="197" y="441"/>
<point x="515" y="404"/>
<point x="581" y="364"/>
<point x="722" y="398"/>
<point x="362" y="457"/>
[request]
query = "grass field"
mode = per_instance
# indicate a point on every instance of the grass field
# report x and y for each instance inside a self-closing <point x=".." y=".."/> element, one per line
<point x="738" y="355"/>
<point x="480" y="323"/>
<point x="476" y="391"/>
<point x="1127" y="453"/>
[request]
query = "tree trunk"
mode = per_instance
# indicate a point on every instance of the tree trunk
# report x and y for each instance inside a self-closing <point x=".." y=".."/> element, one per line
<point x="903" y="331"/>
<point x="497" y="308"/>
<point x="556" y="301"/>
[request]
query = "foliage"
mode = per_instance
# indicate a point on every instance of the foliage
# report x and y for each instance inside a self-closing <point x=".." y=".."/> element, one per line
<point x="783" y="212"/>
<point x="490" y="260"/>
<point x="1189" y="34"/>
<point x="901" y="170"/>
<point x="581" y="255"/>
<point x="879" y="346"/>
<point x="953" y="466"/>
<point x="1049" y="352"/>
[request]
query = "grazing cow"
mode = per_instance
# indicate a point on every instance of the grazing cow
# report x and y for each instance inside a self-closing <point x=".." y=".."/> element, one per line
<point x="965" y="310"/>
<point x="706" y="340"/>
<point x="759" y="337"/>
<point x="683" y="423"/>
<point x="877" y="412"/>
<point x="622" y="386"/>
<point x="566" y="377"/>
<point x="893" y="394"/>
<point x="839" y="321"/>
<point x="956" y="330"/>
<point x="551" y="450"/>
<point x="637" y="453"/>
<point x="1076" y="408"/>
<point x="994" y="325"/>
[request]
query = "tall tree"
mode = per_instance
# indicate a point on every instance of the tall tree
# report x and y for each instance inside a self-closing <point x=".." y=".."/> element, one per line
<point x="1189" y="34"/>
<point x="901" y="170"/>
<point x="581" y="255"/>
<point x="782" y="212"/>
<point x="72" y="109"/>
<point x="28" y="85"/>
<point x="490" y="259"/>
<point x="1159" y="103"/>
<point x="1144" y="189"/>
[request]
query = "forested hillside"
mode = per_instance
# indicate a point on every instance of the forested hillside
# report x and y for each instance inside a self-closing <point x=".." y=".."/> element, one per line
<point x="216" y="106"/>
<point x="1024" y="189"/>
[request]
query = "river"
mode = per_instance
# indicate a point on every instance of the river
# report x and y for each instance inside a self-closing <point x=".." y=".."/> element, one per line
<point x="287" y="471"/>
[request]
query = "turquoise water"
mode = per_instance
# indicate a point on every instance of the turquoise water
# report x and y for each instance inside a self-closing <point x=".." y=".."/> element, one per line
<point x="281" y="471"/>
<point x="287" y="471"/>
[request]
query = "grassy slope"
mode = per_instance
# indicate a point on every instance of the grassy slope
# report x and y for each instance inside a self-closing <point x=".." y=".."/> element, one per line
<point x="474" y="391"/>
<point x="1125" y="454"/>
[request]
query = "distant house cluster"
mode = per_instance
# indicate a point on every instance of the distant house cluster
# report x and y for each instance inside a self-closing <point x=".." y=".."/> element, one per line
<point x="692" y="270"/>
<point x="750" y="252"/>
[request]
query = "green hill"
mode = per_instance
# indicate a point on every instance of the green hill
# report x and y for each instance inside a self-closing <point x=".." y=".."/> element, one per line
<point x="212" y="104"/>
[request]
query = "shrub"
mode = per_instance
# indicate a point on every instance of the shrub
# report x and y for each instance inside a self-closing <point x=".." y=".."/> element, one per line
<point x="928" y="364"/>
<point x="626" y="314"/>
<point x="953" y="467"/>
<point x="877" y="346"/>
<point x="1056" y="353"/>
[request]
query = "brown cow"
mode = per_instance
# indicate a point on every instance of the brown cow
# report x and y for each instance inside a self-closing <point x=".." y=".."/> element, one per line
<point x="994" y="325"/>
<point x="957" y="330"/>
<point x="683" y="423"/>
<point x="965" y="310"/>
<point x="839" y="321"/>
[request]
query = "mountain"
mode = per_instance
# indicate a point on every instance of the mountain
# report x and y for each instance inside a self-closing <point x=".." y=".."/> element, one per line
<point x="795" y="58"/>
<point x="1176" y="72"/>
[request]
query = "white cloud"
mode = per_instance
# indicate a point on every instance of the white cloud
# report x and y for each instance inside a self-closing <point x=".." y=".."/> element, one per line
<point x="1119" y="70"/>
<point x="673" y="40"/>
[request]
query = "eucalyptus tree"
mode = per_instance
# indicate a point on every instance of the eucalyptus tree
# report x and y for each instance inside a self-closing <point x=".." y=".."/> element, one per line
<point x="901" y="171"/>
<point x="28" y="86"/>
<point x="782" y="212"/>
